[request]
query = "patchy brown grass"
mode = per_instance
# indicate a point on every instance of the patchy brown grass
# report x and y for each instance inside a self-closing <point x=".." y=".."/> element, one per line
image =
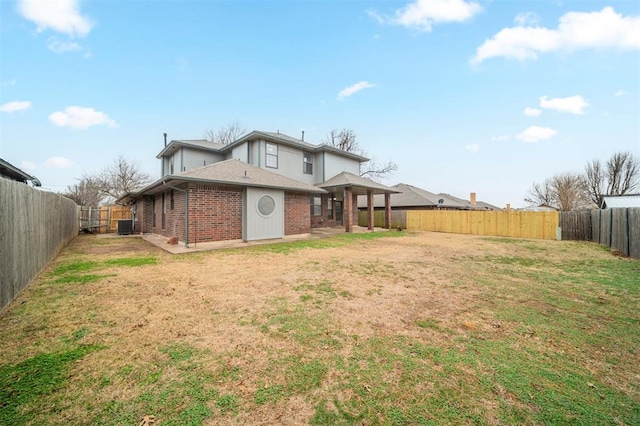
<point x="421" y="328"/>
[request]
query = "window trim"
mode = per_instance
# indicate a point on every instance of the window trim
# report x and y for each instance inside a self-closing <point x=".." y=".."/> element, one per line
<point x="314" y="206"/>
<point x="272" y="156"/>
<point x="307" y="156"/>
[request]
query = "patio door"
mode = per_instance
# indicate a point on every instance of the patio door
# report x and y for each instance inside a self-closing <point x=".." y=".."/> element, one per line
<point x="338" y="212"/>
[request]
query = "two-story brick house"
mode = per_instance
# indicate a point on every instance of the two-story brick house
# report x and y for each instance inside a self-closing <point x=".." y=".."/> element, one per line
<point x="263" y="185"/>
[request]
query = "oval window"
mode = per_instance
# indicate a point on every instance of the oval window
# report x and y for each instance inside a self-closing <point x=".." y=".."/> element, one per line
<point x="266" y="205"/>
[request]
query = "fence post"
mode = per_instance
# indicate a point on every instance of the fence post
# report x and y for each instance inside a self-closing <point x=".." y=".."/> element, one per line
<point x="627" y="248"/>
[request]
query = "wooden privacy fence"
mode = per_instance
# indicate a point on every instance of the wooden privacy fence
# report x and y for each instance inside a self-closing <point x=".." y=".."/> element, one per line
<point x="34" y="226"/>
<point x="398" y="219"/>
<point x="538" y="225"/>
<point x="576" y="225"/>
<point x="618" y="228"/>
<point x="103" y="220"/>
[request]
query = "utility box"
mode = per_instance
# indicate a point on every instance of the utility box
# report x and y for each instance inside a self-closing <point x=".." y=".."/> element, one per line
<point x="125" y="226"/>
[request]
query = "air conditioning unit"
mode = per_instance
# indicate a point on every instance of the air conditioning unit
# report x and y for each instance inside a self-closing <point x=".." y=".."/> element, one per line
<point x="125" y="227"/>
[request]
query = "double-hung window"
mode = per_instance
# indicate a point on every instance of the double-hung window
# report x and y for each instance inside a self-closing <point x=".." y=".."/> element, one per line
<point x="307" y="163"/>
<point x="271" y="159"/>
<point x="316" y="205"/>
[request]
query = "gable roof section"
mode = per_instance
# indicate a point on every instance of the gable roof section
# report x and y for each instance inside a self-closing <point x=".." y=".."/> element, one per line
<point x="281" y="138"/>
<point x="358" y="184"/>
<point x="10" y="171"/>
<point x="228" y="172"/>
<point x="200" y="144"/>
<point x="620" y="201"/>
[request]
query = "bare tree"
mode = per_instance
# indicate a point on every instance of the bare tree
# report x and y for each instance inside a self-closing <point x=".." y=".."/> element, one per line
<point x="346" y="140"/>
<point x="374" y="170"/>
<point x="595" y="178"/>
<point x="226" y="134"/>
<point x="618" y="176"/>
<point x="120" y="177"/>
<point x="85" y="193"/>
<point x="566" y="191"/>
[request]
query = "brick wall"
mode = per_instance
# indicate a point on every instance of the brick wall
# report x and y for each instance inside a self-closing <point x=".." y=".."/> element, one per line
<point x="297" y="213"/>
<point x="323" y="220"/>
<point x="215" y="213"/>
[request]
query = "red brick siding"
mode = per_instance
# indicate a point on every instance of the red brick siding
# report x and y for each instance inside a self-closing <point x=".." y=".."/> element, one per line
<point x="143" y="214"/>
<point x="297" y="213"/>
<point x="323" y="220"/>
<point x="215" y="213"/>
<point x="175" y="216"/>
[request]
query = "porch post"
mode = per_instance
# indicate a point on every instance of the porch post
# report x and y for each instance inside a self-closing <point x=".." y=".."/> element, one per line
<point x="370" y="222"/>
<point x="347" y="211"/>
<point x="387" y="210"/>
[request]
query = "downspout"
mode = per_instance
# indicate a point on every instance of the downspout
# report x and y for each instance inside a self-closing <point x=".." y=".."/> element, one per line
<point x="186" y="211"/>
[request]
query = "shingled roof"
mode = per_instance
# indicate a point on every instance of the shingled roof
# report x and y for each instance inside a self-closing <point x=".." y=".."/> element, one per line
<point x="358" y="184"/>
<point x="411" y="196"/>
<point x="228" y="172"/>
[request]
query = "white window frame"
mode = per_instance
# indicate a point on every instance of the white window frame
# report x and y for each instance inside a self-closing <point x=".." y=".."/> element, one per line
<point x="271" y="155"/>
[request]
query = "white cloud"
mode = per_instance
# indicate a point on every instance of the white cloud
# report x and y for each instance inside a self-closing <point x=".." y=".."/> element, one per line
<point x="526" y="18"/>
<point x="28" y="165"/>
<point x="536" y="134"/>
<point x="353" y="89"/>
<point x="9" y="83"/>
<point x="422" y="14"/>
<point x="62" y="16"/>
<point x="15" y="106"/>
<point x="474" y="147"/>
<point x="621" y="93"/>
<point x="576" y="31"/>
<point x="58" y="163"/>
<point x="500" y="138"/>
<point x="77" y="117"/>
<point x="573" y="104"/>
<point x="532" y="112"/>
<point x="58" y="46"/>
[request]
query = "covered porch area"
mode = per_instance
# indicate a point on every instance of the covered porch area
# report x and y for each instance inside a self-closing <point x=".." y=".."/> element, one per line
<point x="351" y="186"/>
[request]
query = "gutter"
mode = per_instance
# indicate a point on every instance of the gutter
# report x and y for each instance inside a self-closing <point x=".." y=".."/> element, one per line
<point x="186" y="211"/>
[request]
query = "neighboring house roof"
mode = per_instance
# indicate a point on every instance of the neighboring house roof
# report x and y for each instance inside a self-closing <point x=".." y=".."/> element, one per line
<point x="358" y="184"/>
<point x="228" y="172"/>
<point x="200" y="144"/>
<point x="540" y="208"/>
<point x="9" y="171"/>
<point x="620" y="201"/>
<point x="412" y="196"/>
<point x="279" y="138"/>
<point x="449" y="201"/>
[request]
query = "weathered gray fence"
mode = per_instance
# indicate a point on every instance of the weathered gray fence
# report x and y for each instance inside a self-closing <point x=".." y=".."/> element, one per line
<point x="34" y="226"/>
<point x="618" y="228"/>
<point x="576" y="225"/>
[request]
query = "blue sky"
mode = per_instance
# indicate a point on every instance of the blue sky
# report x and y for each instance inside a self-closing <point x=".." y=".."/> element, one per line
<point x="465" y="96"/>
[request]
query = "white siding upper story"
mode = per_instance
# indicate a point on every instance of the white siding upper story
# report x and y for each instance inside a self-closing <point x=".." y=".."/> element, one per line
<point x="186" y="159"/>
<point x="240" y="152"/>
<point x="335" y="164"/>
<point x="289" y="162"/>
<point x="281" y="158"/>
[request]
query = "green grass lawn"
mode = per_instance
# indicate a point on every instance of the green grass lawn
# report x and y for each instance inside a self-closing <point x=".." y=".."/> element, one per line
<point x="524" y="332"/>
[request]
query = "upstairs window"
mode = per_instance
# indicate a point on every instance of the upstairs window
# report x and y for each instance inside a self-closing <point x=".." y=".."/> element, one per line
<point x="307" y="163"/>
<point x="272" y="155"/>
